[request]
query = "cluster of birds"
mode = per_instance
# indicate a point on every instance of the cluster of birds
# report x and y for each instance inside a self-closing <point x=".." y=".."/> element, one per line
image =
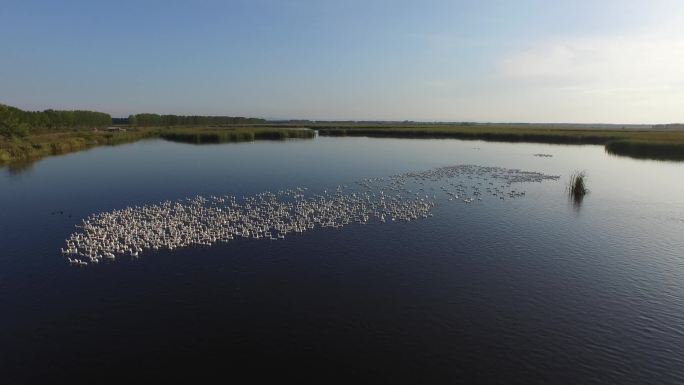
<point x="274" y="215"/>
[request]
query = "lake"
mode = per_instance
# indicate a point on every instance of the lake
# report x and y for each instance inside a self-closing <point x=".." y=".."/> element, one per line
<point x="532" y="290"/>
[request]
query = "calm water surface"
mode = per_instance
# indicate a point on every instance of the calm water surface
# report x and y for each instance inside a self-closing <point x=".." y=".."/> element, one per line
<point x="537" y="290"/>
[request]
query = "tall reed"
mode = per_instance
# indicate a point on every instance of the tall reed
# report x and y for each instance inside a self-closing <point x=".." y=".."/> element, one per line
<point x="577" y="187"/>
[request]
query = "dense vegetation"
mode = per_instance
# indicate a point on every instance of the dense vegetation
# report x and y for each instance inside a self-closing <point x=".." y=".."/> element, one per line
<point x="498" y="132"/>
<point x="18" y="123"/>
<point x="155" y="120"/>
<point x="26" y="135"/>
<point x="120" y="121"/>
<point x="647" y="149"/>
<point x="21" y="150"/>
<point x="36" y="146"/>
<point x="239" y="134"/>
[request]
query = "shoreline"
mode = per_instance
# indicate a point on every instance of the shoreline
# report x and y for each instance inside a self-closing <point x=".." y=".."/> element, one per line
<point x="35" y="147"/>
<point x="639" y="144"/>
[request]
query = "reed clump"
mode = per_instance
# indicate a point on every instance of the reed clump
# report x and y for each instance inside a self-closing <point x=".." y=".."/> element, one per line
<point x="577" y="187"/>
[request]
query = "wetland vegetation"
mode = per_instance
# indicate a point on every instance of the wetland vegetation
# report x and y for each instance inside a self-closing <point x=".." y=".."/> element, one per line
<point x="577" y="187"/>
<point x="33" y="147"/>
<point x="233" y="134"/>
<point x="26" y="136"/>
<point x="156" y="120"/>
<point x="659" y="142"/>
<point x="29" y="135"/>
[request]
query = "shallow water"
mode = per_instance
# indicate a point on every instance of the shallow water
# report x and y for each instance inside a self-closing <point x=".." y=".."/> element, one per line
<point x="531" y="290"/>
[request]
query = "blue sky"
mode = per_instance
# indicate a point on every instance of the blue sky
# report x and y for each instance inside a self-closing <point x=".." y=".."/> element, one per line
<point x="525" y="60"/>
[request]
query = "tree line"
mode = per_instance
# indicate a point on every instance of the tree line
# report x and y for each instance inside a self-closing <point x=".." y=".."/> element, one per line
<point x="156" y="120"/>
<point x="17" y="122"/>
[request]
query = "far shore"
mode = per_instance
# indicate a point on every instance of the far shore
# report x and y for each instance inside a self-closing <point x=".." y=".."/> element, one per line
<point x="663" y="143"/>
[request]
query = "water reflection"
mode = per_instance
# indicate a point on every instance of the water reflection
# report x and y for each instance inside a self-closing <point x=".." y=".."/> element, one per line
<point x="20" y="166"/>
<point x="576" y="201"/>
<point x="646" y="150"/>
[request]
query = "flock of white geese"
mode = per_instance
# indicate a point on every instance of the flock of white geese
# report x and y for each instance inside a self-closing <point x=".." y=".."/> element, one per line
<point x="273" y="215"/>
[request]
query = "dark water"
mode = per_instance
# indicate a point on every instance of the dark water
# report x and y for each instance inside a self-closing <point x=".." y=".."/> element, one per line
<point x="536" y="290"/>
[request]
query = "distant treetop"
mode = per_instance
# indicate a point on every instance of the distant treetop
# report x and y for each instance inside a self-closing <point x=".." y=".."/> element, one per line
<point x="155" y="120"/>
<point x="16" y="122"/>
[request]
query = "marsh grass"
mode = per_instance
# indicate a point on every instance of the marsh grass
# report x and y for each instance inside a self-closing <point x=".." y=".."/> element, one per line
<point x="577" y="187"/>
<point x="647" y="149"/>
<point x="228" y="135"/>
<point x="651" y="144"/>
<point x="33" y="147"/>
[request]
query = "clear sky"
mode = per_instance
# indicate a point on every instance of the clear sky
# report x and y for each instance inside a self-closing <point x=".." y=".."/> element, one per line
<point x="618" y="61"/>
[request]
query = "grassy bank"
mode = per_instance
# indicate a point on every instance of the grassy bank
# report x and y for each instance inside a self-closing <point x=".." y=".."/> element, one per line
<point x="37" y="146"/>
<point x="651" y="144"/>
<point x="29" y="135"/>
<point x="33" y="147"/>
